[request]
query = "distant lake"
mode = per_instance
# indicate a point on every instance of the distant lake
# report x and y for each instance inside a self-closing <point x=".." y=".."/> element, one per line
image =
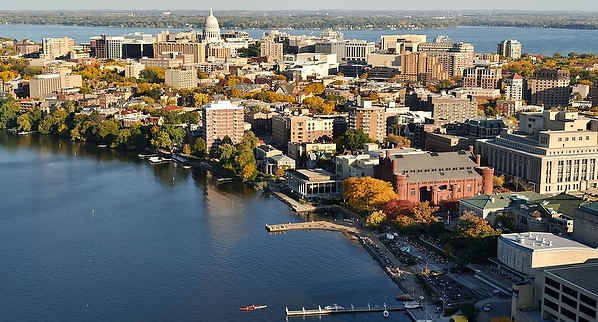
<point x="485" y="39"/>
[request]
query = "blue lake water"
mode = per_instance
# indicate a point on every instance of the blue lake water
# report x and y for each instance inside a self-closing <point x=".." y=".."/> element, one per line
<point x="100" y="235"/>
<point x="485" y="39"/>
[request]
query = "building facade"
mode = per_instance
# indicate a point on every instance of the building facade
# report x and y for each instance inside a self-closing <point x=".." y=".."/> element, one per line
<point x="509" y="48"/>
<point x="550" y="87"/>
<point x="181" y="78"/>
<point x="222" y="119"/>
<point x="57" y="47"/>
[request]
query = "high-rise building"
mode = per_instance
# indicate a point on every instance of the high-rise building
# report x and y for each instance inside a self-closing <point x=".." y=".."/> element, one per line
<point x="268" y="47"/>
<point x="454" y="57"/>
<point x="514" y="87"/>
<point x="484" y="75"/>
<point x="196" y="49"/>
<point x="422" y="68"/>
<point x="509" y="48"/>
<point x="550" y="87"/>
<point x="181" y="78"/>
<point x="222" y="119"/>
<point x="369" y="118"/>
<point x="332" y="46"/>
<point x="57" y="47"/>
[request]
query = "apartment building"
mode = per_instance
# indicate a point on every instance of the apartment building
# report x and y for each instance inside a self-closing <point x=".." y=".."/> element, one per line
<point x="222" y="119"/>
<point x="181" y="78"/>
<point x="509" y="48"/>
<point x="421" y="67"/>
<point x="300" y="128"/>
<point x="485" y="75"/>
<point x="270" y="48"/>
<point x="550" y="87"/>
<point x="358" y="49"/>
<point x="514" y="87"/>
<point x="454" y="57"/>
<point x="57" y="47"/>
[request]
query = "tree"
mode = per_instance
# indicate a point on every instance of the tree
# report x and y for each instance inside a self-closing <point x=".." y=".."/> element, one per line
<point x="470" y="311"/>
<point x="318" y="104"/>
<point x="367" y="194"/>
<point x="315" y="88"/>
<point x="397" y="140"/>
<point x="8" y="112"/>
<point x="352" y="140"/>
<point x="198" y="148"/>
<point x="375" y="218"/>
<point x="253" y="50"/>
<point x="498" y="181"/>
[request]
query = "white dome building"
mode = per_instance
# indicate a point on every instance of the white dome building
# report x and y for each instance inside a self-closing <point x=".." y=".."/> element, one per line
<point x="211" y="30"/>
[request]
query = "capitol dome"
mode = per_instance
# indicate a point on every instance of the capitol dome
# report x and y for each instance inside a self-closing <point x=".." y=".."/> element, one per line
<point x="211" y="30"/>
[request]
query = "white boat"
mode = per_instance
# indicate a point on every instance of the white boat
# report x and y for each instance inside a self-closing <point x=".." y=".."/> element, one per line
<point x="412" y="305"/>
<point x="156" y="160"/>
<point x="334" y="307"/>
<point x="260" y="306"/>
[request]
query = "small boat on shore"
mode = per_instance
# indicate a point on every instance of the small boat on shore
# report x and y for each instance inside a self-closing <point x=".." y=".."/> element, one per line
<point x="412" y="305"/>
<point x="404" y="297"/>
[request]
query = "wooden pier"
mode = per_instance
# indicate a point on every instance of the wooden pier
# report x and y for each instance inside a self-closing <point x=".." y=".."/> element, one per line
<point x="321" y="225"/>
<point x="340" y="309"/>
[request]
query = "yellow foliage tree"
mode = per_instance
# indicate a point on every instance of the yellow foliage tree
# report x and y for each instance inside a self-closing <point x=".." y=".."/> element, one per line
<point x="315" y="88"/>
<point x="471" y="226"/>
<point x="367" y="194"/>
<point x="375" y="218"/>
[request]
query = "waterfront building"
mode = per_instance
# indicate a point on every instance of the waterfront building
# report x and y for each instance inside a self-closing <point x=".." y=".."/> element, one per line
<point x="550" y="87"/>
<point x="509" y="48"/>
<point x="222" y="119"/>
<point x="440" y="178"/>
<point x="57" y="47"/>
<point x="316" y="183"/>
<point x="556" y="153"/>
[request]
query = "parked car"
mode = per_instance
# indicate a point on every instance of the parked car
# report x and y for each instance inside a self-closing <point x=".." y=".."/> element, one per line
<point x="487" y="307"/>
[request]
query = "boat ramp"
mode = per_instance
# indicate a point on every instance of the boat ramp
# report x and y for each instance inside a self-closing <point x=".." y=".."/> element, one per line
<point x="340" y="309"/>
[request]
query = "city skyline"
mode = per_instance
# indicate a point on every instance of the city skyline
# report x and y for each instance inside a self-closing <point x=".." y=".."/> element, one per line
<point x="431" y="5"/>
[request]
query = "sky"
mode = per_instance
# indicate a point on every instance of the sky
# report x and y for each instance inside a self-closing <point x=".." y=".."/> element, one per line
<point x="315" y="5"/>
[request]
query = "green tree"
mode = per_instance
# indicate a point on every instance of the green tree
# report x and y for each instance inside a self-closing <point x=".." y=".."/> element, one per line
<point x="253" y="50"/>
<point x="198" y="148"/>
<point x="352" y="140"/>
<point x="9" y="109"/>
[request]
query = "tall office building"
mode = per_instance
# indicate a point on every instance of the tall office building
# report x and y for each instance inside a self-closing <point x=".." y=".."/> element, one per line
<point x="358" y="49"/>
<point x="222" y="119"/>
<point x="509" y="48"/>
<point x="62" y="78"/>
<point x="57" y="47"/>
<point x="595" y="93"/>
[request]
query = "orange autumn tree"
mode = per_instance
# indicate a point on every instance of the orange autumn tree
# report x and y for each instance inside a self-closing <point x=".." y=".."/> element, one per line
<point x="474" y="239"/>
<point x="407" y="215"/>
<point x="367" y="194"/>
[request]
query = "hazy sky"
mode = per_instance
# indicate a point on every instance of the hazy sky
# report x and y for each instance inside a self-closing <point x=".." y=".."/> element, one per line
<point x="118" y="5"/>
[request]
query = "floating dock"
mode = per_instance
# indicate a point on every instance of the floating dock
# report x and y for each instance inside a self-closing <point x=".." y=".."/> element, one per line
<point x="335" y="310"/>
<point x="321" y="225"/>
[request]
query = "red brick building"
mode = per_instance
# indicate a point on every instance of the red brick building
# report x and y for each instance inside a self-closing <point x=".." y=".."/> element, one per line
<point x="439" y="178"/>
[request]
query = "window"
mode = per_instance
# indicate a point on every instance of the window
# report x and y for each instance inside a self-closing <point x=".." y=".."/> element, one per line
<point x="412" y="192"/>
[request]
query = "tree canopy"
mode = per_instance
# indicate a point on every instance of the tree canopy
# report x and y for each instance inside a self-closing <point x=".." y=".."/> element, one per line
<point x="367" y="194"/>
<point x="352" y="140"/>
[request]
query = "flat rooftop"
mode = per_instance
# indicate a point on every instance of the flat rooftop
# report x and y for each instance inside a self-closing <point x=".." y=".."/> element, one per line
<point x="581" y="275"/>
<point x="538" y="241"/>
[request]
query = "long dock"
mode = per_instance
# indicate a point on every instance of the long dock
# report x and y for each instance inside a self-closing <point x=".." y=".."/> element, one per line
<point x="321" y="225"/>
<point x="335" y="310"/>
